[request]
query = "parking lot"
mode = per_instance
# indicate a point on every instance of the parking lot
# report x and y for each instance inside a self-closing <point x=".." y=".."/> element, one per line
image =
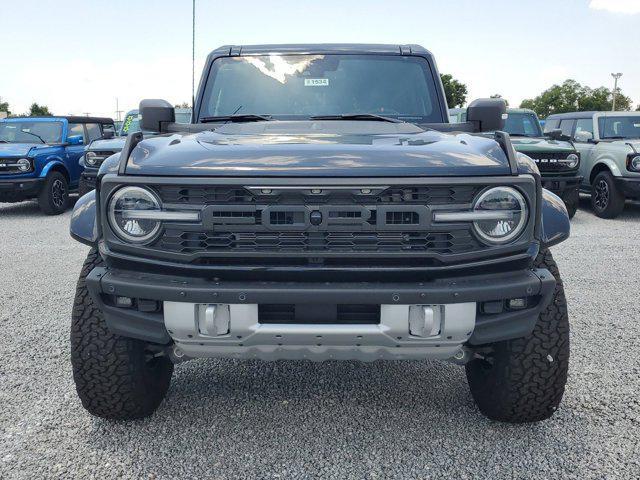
<point x="226" y="419"/>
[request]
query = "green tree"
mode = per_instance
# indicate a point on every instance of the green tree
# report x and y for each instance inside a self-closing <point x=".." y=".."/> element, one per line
<point x="39" y="111"/>
<point x="455" y="91"/>
<point x="497" y="95"/>
<point x="4" y="107"/>
<point x="572" y="97"/>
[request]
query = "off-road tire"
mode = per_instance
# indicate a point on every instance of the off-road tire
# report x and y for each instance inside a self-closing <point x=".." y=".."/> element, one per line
<point x="613" y="205"/>
<point x="523" y="380"/>
<point x="54" y="196"/>
<point x="116" y="377"/>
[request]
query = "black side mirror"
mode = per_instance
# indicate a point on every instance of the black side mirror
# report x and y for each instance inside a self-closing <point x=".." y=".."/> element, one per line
<point x="108" y="134"/>
<point x="155" y="114"/>
<point x="555" y="134"/>
<point x="487" y="114"/>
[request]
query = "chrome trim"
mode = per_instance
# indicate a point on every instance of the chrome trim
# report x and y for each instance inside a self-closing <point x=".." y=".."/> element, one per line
<point x="475" y="216"/>
<point x="161" y="215"/>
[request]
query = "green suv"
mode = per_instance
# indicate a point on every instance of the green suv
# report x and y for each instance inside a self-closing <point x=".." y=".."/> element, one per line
<point x="609" y="145"/>
<point x="557" y="159"/>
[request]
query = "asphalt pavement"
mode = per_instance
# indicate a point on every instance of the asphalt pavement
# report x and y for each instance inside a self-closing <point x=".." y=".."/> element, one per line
<point x="248" y="419"/>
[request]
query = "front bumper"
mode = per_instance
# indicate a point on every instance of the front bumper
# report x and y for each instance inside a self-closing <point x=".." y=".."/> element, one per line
<point x="567" y="188"/>
<point x="629" y="186"/>
<point x="19" y="189"/>
<point x="88" y="178"/>
<point x="180" y="298"/>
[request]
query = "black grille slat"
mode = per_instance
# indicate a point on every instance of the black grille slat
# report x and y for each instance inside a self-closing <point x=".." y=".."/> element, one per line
<point x="347" y="314"/>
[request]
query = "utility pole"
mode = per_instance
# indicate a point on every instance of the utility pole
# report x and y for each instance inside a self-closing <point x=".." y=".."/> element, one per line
<point x="118" y="111"/>
<point x="615" y="76"/>
<point x="193" y="54"/>
<point x="86" y="114"/>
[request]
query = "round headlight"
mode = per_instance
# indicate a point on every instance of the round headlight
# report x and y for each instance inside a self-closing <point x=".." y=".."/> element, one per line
<point x="24" y="165"/>
<point x="128" y="209"/>
<point x="572" y="160"/>
<point x="90" y="158"/>
<point x="506" y="212"/>
<point x="635" y="163"/>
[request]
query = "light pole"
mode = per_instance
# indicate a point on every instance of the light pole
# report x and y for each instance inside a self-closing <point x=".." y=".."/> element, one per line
<point x="193" y="53"/>
<point x="615" y="76"/>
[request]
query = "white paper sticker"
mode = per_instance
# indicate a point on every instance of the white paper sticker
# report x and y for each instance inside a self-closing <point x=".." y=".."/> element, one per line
<point x="316" y="82"/>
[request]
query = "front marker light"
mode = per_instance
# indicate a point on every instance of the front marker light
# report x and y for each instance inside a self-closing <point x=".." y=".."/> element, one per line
<point x="24" y="165"/>
<point x="499" y="215"/>
<point x="571" y="161"/>
<point x="133" y="200"/>
<point x="634" y="163"/>
<point x="136" y="214"/>
<point x="505" y="201"/>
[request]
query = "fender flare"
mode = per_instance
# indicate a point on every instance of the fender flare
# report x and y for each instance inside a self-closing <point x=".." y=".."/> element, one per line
<point x="83" y="226"/>
<point x="610" y="164"/>
<point x="51" y="164"/>
<point x="555" y="224"/>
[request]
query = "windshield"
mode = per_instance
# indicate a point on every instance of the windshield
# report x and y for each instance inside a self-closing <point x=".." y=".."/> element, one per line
<point x="301" y="86"/>
<point x="619" y="127"/>
<point x="522" y="125"/>
<point x="30" y="132"/>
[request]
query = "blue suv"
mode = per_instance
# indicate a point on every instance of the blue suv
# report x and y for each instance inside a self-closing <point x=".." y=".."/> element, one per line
<point x="39" y="157"/>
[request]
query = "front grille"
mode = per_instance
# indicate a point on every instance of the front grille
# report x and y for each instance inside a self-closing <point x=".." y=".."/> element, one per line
<point x="318" y="221"/>
<point x="548" y="161"/>
<point x="417" y="194"/>
<point x="452" y="242"/>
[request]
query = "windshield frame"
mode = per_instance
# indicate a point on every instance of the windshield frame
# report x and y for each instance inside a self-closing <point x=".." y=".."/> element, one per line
<point x="439" y="102"/>
<point x="34" y="140"/>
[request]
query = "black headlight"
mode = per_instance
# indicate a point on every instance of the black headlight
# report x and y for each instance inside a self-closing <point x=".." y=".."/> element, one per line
<point x="633" y="162"/>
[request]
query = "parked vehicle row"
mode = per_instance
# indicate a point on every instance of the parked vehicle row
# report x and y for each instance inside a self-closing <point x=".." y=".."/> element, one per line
<point x="609" y="144"/>
<point x="39" y="157"/>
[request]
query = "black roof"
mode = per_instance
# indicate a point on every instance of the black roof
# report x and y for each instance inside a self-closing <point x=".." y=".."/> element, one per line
<point x="72" y="118"/>
<point x="571" y="115"/>
<point x="352" y="48"/>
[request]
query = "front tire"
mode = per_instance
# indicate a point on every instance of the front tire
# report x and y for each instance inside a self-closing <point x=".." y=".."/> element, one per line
<point x="523" y="380"/>
<point x="54" y="197"/>
<point x="116" y="377"/>
<point x="607" y="200"/>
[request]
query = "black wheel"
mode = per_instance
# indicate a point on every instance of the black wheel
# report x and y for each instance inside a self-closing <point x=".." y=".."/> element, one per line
<point x="116" y="377"/>
<point x="606" y="199"/>
<point x="523" y="380"/>
<point x="54" y="197"/>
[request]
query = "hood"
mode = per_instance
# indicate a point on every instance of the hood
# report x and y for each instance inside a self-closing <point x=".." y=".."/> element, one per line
<point x="541" y="144"/>
<point x="318" y="149"/>
<point x="18" y="149"/>
<point x="634" y="144"/>
<point x="113" y="144"/>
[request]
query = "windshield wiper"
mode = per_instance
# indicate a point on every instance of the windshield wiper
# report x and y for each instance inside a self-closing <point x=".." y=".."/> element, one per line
<point x="245" y="117"/>
<point x="34" y="134"/>
<point x="357" y="116"/>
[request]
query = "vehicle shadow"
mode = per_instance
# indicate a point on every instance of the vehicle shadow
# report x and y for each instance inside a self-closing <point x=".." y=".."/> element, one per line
<point x="29" y="208"/>
<point x="631" y="209"/>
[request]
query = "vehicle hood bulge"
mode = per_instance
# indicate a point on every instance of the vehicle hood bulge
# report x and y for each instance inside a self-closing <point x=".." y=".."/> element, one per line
<point x="318" y="149"/>
<point x="17" y="149"/>
<point x="112" y="144"/>
<point x="534" y="145"/>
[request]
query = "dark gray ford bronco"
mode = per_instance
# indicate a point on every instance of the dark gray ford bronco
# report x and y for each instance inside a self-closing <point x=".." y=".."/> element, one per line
<point x="320" y="207"/>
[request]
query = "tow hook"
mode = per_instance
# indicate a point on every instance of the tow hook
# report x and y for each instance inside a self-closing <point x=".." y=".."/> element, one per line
<point x="462" y="356"/>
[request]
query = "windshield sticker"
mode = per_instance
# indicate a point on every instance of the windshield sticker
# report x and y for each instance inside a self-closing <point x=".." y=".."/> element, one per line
<point x="127" y="123"/>
<point x="316" y="82"/>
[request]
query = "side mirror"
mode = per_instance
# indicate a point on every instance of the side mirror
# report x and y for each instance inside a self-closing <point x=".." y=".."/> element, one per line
<point x="155" y="113"/>
<point x="555" y="134"/>
<point x="75" y="140"/>
<point x="487" y="114"/>
<point x="584" y="137"/>
<point x="108" y="134"/>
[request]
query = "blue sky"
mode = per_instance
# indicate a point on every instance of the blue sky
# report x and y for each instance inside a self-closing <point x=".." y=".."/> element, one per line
<point x="78" y="56"/>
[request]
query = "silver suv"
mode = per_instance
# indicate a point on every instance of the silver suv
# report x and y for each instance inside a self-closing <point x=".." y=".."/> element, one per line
<point x="609" y="146"/>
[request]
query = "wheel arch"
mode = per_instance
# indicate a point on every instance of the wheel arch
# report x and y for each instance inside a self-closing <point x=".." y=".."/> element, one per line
<point x="56" y="166"/>
<point x="604" y="165"/>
